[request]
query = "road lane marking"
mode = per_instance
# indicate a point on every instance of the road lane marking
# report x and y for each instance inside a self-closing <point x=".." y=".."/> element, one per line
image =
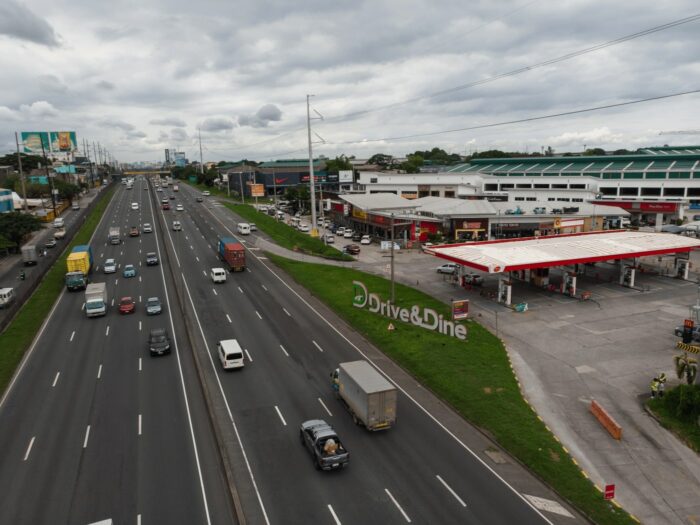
<point x="139" y="424"/>
<point x="139" y="325"/>
<point x="87" y="435"/>
<point x="258" y="314"/>
<point x="337" y="521"/>
<point x="286" y="312"/>
<point x="29" y="448"/>
<point x="280" y="415"/>
<point x="72" y="336"/>
<point x="138" y="519"/>
<point x="229" y="319"/>
<point x="205" y="273"/>
<point x="99" y="372"/>
<point x="214" y="291"/>
<point x="196" y="258"/>
<point x="240" y="289"/>
<point x="140" y="363"/>
<point x="116" y="281"/>
<point x="461" y="501"/>
<point x="408" y="520"/>
<point x="317" y="346"/>
<point x="191" y="247"/>
<point x="264" y="287"/>
<point x="83" y="307"/>
<point x="139" y="298"/>
<point x="139" y="278"/>
<point x="324" y="406"/>
<point x="247" y="269"/>
<point x="285" y="352"/>
<point x="55" y="379"/>
<point x="107" y="331"/>
<point x="112" y="301"/>
<point x="246" y="353"/>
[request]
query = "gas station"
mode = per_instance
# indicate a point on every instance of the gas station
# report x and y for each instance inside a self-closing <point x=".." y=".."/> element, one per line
<point x="532" y="260"/>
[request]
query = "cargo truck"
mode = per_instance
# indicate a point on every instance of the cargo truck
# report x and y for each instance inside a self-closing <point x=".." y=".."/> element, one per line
<point x="78" y="265"/>
<point x="96" y="299"/>
<point x="176" y="187"/>
<point x="114" y="236"/>
<point x="368" y="396"/>
<point x="29" y="254"/>
<point x="232" y="253"/>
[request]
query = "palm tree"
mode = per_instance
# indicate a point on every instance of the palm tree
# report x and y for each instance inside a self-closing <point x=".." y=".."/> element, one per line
<point x="687" y="367"/>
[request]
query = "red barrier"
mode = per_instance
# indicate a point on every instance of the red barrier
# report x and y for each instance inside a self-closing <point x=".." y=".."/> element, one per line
<point x="606" y="420"/>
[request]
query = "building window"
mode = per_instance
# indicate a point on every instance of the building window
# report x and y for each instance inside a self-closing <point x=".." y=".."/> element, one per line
<point x="651" y="192"/>
<point x="507" y="186"/>
<point x="541" y="186"/>
<point x="450" y="194"/>
<point x="434" y="193"/>
<point x="563" y="199"/>
<point x="577" y="186"/>
<point x="576" y="200"/>
<point x="373" y="180"/>
<point x="693" y="192"/>
<point x="608" y="191"/>
<point x="674" y="192"/>
<point x="558" y="186"/>
<point x="490" y="187"/>
<point x="550" y="199"/>
<point x="629" y="192"/>
<point x="524" y="186"/>
<point x="531" y="199"/>
<point x="519" y="198"/>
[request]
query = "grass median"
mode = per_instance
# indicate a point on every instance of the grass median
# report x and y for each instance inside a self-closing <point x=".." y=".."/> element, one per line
<point x="20" y="333"/>
<point x="474" y="377"/>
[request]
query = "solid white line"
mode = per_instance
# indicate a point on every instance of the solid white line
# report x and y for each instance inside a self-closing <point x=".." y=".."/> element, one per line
<point x="249" y="358"/>
<point x="229" y="319"/>
<point x="213" y="290"/>
<point x="258" y="314"/>
<point x="461" y="501"/>
<point x="72" y="335"/>
<point x="280" y="415"/>
<point x="139" y="325"/>
<point x="196" y="258"/>
<point x="87" y="435"/>
<point x="107" y="331"/>
<point x="286" y="312"/>
<point x="140" y="364"/>
<point x="285" y="352"/>
<point x="317" y="346"/>
<point x="240" y="289"/>
<point x="138" y="519"/>
<point x="205" y="273"/>
<point x="337" y="521"/>
<point x="99" y="372"/>
<point x="29" y="448"/>
<point x="116" y="281"/>
<point x="398" y="506"/>
<point x="55" y="379"/>
<point x="264" y="287"/>
<point x="324" y="406"/>
<point x="139" y="298"/>
<point x="139" y="424"/>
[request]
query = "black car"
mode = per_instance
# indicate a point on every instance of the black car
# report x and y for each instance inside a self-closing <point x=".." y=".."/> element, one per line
<point x="172" y="197"/>
<point x="352" y="249"/>
<point x="199" y="199"/>
<point x="357" y="237"/>
<point x="158" y="341"/>
<point x="323" y="443"/>
<point x="151" y="259"/>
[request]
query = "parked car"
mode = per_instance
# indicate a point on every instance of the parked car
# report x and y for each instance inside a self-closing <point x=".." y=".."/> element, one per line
<point x="50" y="243"/>
<point x="352" y="249"/>
<point x="129" y="271"/>
<point x="324" y="445"/>
<point x="696" y="332"/>
<point x="339" y="231"/>
<point x="134" y="231"/>
<point x="365" y="239"/>
<point x="206" y="193"/>
<point x="303" y="227"/>
<point x="330" y="239"/>
<point x="127" y="305"/>
<point x="153" y="306"/>
<point x="158" y="341"/>
<point x="357" y="237"/>
<point x="448" y="268"/>
<point x="147" y="228"/>
<point x="110" y="266"/>
<point x="151" y="259"/>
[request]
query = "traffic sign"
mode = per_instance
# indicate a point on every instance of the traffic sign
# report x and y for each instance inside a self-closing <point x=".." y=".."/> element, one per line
<point x="609" y="491"/>
<point x="688" y="323"/>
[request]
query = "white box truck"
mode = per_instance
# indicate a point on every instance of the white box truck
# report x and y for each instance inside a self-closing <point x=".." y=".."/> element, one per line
<point x="114" y="236"/>
<point x="29" y="254"/>
<point x="96" y="299"/>
<point x="366" y="393"/>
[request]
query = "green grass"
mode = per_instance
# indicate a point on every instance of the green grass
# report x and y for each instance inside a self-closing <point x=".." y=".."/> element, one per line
<point x="687" y="430"/>
<point x="18" y="335"/>
<point x="473" y="376"/>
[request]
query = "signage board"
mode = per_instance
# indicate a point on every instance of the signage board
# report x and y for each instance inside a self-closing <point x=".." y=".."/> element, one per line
<point x="52" y="141"/>
<point x="345" y="176"/>
<point x="460" y="309"/>
<point x="257" y="190"/>
<point x="609" y="491"/>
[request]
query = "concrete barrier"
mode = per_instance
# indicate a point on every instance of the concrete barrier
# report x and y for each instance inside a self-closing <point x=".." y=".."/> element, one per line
<point x="606" y="420"/>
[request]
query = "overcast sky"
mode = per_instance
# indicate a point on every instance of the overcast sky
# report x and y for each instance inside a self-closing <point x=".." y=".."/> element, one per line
<point x="141" y="76"/>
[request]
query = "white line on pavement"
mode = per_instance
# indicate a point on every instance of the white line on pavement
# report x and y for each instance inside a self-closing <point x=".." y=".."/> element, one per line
<point x="247" y="269"/>
<point x="139" y="278"/>
<point x="317" y="346"/>
<point x="112" y="301"/>
<point x="229" y="319"/>
<point x="461" y="501"/>
<point x="264" y="287"/>
<point x="280" y="415"/>
<point x="87" y="435"/>
<point x="337" y="521"/>
<point x="285" y="352"/>
<point x="139" y="325"/>
<point x="324" y="406"/>
<point x="213" y="290"/>
<point x="286" y="312"/>
<point x="99" y="372"/>
<point x="139" y="298"/>
<point x="55" y="379"/>
<point x="258" y="314"/>
<point x="196" y="258"/>
<point x="29" y="448"/>
<point x="107" y="331"/>
<point x="139" y="424"/>
<point x="116" y="281"/>
<point x="240" y="289"/>
<point x="205" y="273"/>
<point x="72" y="335"/>
<point x="138" y="519"/>
<point x="249" y="358"/>
<point x="140" y="364"/>
<point x="398" y="506"/>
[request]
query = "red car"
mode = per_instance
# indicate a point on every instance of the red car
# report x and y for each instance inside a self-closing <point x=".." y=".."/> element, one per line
<point x="166" y="206"/>
<point x="127" y="305"/>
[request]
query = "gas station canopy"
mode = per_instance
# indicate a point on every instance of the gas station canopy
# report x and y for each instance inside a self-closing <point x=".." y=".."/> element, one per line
<point x="561" y="250"/>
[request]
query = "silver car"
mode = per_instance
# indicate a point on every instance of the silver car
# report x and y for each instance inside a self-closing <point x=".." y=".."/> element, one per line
<point x="153" y="306"/>
<point x="110" y="266"/>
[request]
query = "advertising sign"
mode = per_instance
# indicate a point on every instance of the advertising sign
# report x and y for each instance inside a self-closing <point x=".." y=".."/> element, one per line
<point x="345" y="176"/>
<point x="460" y="309"/>
<point x="359" y="214"/>
<point x="609" y="491"/>
<point x="63" y="141"/>
<point x="33" y="140"/>
<point x="53" y="141"/>
<point x="257" y="190"/>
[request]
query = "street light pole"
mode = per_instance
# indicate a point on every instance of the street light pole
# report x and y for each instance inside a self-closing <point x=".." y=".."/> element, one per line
<point x="393" y="290"/>
<point x="48" y="175"/>
<point x="21" y="175"/>
<point x="240" y="181"/>
<point x="314" y="229"/>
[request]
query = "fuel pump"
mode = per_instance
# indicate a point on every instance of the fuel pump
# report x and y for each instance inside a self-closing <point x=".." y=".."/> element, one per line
<point x="627" y="276"/>
<point x="682" y="268"/>
<point x="504" y="291"/>
<point x="569" y="284"/>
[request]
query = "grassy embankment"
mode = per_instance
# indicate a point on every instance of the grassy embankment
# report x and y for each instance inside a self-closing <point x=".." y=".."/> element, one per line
<point x="474" y="377"/>
<point x="17" y="337"/>
<point x="666" y="411"/>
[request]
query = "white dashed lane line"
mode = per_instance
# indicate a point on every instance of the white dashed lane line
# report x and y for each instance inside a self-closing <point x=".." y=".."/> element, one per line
<point x="285" y="352"/>
<point x="229" y="318"/>
<point x="317" y="346"/>
<point x="408" y="520"/>
<point x="99" y="372"/>
<point x="461" y="501"/>
<point x="286" y="312"/>
<point x="280" y="415"/>
<point x="324" y="406"/>
<point x="258" y="314"/>
<point x="107" y="331"/>
<point x="87" y="435"/>
<point x="337" y="521"/>
<point x="29" y="448"/>
<point x="72" y="336"/>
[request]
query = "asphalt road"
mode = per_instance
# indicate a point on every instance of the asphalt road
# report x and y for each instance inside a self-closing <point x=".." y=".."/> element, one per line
<point x="94" y="428"/>
<point x="415" y="472"/>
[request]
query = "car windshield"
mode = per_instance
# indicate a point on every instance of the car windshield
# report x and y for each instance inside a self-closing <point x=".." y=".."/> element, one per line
<point x="153" y="302"/>
<point x="159" y="338"/>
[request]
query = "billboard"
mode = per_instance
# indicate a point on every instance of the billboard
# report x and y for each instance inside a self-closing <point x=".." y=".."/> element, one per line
<point x="344" y="176"/>
<point x="257" y="190"/>
<point x="52" y="141"/>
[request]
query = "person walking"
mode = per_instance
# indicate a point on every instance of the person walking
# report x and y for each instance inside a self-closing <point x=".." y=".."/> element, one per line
<point x="654" y="387"/>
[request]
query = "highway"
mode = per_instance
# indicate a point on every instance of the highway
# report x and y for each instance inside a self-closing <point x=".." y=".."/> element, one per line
<point x="415" y="472"/>
<point x="93" y="428"/>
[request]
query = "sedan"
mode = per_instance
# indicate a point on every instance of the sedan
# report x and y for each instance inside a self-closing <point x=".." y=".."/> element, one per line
<point x="134" y="231"/>
<point x="110" y="266"/>
<point x="347" y="234"/>
<point x="303" y="227"/>
<point x="253" y="227"/>
<point x="147" y="228"/>
<point x="448" y="268"/>
<point x="151" y="259"/>
<point x="129" y="271"/>
<point x="158" y="341"/>
<point x="153" y="306"/>
<point x="50" y="243"/>
<point x="352" y="249"/>
<point x="365" y="239"/>
<point x="330" y="239"/>
<point x="199" y="199"/>
<point x="127" y="305"/>
<point x="179" y="207"/>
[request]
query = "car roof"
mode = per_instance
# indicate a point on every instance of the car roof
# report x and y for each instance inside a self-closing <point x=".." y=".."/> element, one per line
<point x="152" y="299"/>
<point x="158" y="331"/>
<point x="127" y="298"/>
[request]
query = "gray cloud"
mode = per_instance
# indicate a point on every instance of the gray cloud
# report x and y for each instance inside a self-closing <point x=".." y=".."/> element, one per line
<point x="266" y="114"/>
<point x="169" y="121"/>
<point x="216" y="124"/>
<point x="17" y="21"/>
<point x="135" y="134"/>
<point x="111" y="122"/>
<point x="106" y="85"/>
<point x="178" y="135"/>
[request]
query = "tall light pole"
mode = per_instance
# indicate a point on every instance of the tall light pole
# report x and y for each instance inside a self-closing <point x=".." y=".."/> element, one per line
<point x="393" y="290"/>
<point x="201" y="159"/>
<point x="314" y="228"/>
<point x="21" y="175"/>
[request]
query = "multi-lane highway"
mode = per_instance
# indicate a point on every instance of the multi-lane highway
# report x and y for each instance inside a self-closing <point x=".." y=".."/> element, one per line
<point x="94" y="428"/>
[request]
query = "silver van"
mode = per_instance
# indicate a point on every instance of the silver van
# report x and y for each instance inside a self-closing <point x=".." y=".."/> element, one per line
<point x="230" y="354"/>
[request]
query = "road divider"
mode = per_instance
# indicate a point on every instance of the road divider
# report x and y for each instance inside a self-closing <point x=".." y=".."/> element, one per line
<point x="605" y="419"/>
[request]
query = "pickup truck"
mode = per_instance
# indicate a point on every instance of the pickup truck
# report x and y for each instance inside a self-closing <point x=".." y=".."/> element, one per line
<point x="323" y="444"/>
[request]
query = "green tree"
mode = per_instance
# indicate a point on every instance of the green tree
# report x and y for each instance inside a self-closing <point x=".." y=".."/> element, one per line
<point x="382" y="160"/>
<point x="66" y="190"/>
<point x="15" y="226"/>
<point x="594" y="152"/>
<point x="413" y="164"/>
<point x="338" y="164"/>
<point x="208" y="177"/>
<point x="29" y="162"/>
<point x="686" y="367"/>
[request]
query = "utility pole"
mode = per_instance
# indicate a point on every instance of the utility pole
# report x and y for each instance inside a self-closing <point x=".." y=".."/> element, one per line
<point x="94" y="151"/>
<point x="314" y="228"/>
<point x="393" y="290"/>
<point x="201" y="160"/>
<point x="240" y="181"/>
<point x="274" y="185"/>
<point x="87" y="155"/>
<point x="21" y="175"/>
<point x="46" y="162"/>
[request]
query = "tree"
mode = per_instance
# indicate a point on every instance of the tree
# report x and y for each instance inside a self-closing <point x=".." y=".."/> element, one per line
<point x="381" y="160"/>
<point x="594" y="152"/>
<point x="413" y="164"/>
<point x="66" y="190"/>
<point x="338" y="164"/>
<point x="15" y="226"/>
<point x="686" y="367"/>
<point x="29" y="162"/>
<point x="437" y="156"/>
<point x="208" y="177"/>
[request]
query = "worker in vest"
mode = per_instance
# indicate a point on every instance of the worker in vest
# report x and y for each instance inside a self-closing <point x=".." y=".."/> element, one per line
<point x="662" y="384"/>
<point x="654" y="387"/>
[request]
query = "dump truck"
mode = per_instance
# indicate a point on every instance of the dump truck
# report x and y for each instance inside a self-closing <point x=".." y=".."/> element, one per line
<point x="368" y="395"/>
<point x="29" y="254"/>
<point x="96" y="299"/>
<point x="78" y="265"/>
<point x="232" y="253"/>
<point x="114" y="236"/>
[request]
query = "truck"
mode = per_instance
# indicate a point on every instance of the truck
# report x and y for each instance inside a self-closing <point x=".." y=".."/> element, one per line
<point x="368" y="395"/>
<point x="114" y="236"/>
<point x="232" y="253"/>
<point x="96" y="299"/>
<point x="176" y="187"/>
<point x="78" y="266"/>
<point x="29" y="254"/>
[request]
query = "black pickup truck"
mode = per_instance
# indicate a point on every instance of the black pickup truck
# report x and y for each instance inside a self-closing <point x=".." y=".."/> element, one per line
<point x="320" y="439"/>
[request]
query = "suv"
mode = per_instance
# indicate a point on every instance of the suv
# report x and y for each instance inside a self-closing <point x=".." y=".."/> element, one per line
<point x="177" y="226"/>
<point x="151" y="259"/>
<point x="448" y="268"/>
<point x="134" y="231"/>
<point x="324" y="445"/>
<point x="147" y="228"/>
<point x="158" y="341"/>
<point x="153" y="306"/>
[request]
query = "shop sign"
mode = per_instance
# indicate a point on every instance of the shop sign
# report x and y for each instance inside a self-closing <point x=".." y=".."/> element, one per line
<point x="425" y="318"/>
<point x="359" y="214"/>
<point x="471" y="225"/>
<point x="460" y="309"/>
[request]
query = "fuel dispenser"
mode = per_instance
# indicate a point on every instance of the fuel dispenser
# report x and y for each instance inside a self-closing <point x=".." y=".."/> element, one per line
<point x="504" y="291"/>
<point x="627" y="276"/>
<point x="568" y="285"/>
<point x="682" y="268"/>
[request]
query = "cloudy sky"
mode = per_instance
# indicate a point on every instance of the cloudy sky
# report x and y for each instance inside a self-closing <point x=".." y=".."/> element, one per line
<point x="141" y="76"/>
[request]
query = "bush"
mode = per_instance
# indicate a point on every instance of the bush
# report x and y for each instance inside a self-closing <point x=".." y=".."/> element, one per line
<point x="684" y="402"/>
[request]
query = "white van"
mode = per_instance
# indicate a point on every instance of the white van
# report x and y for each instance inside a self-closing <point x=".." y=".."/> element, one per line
<point x="243" y="228"/>
<point x="230" y="354"/>
<point x="7" y="295"/>
<point x="218" y="275"/>
<point x="58" y="223"/>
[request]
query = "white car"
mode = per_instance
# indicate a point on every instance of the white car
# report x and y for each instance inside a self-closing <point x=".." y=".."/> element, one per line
<point x="206" y="193"/>
<point x="330" y="239"/>
<point x="303" y="227"/>
<point x="134" y="205"/>
<point x="253" y="227"/>
<point x="448" y="268"/>
<point x="147" y="228"/>
<point x="110" y="266"/>
<point x="179" y="207"/>
<point x="366" y="240"/>
<point x="340" y="231"/>
<point x="347" y="234"/>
